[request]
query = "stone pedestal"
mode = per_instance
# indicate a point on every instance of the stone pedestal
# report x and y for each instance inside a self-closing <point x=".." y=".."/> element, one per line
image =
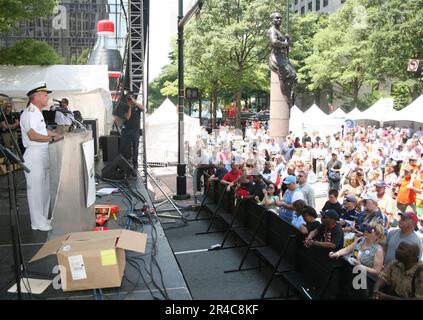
<point x="279" y="111"/>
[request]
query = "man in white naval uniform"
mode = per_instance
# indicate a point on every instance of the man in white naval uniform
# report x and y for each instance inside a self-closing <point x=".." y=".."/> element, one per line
<point x="35" y="138"/>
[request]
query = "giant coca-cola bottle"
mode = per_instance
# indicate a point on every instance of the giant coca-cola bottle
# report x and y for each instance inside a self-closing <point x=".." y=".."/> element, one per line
<point x="106" y="52"/>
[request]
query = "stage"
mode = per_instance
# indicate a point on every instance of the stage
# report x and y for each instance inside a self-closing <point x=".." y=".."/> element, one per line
<point x="168" y="282"/>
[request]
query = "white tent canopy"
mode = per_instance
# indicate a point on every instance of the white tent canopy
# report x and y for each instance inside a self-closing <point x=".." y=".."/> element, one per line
<point x="85" y="86"/>
<point x="413" y="112"/>
<point x="354" y="114"/>
<point x="161" y="133"/>
<point x="380" y="111"/>
<point x="338" y="116"/>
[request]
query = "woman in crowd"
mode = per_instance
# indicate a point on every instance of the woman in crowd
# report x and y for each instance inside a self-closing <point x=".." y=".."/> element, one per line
<point x="271" y="196"/>
<point x="367" y="250"/>
<point x="311" y="176"/>
<point x="352" y="187"/>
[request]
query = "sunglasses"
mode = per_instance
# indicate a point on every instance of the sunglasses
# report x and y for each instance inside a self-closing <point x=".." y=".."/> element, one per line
<point x="250" y="166"/>
<point x="369" y="229"/>
<point x="347" y="200"/>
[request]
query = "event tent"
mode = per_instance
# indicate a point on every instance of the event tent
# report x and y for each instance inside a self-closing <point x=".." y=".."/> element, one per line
<point x="338" y="116"/>
<point x="354" y="114"/>
<point x="380" y="111"/>
<point x="161" y="134"/>
<point x="85" y="86"/>
<point x="412" y="112"/>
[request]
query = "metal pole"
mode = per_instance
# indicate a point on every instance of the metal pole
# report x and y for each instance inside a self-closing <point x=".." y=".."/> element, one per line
<point x="181" y="179"/>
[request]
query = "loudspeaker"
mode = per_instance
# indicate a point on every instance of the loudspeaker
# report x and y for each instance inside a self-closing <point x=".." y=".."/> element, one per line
<point x="94" y="127"/>
<point x="117" y="169"/>
<point x="110" y="147"/>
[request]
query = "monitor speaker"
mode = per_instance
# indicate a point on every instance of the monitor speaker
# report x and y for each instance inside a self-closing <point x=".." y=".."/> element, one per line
<point x="118" y="169"/>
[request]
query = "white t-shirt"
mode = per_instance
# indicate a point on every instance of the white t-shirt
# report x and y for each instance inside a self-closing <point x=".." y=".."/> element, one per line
<point x="63" y="119"/>
<point x="32" y="118"/>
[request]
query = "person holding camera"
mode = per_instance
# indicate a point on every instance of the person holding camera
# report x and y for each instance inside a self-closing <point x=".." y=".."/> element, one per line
<point x="131" y="128"/>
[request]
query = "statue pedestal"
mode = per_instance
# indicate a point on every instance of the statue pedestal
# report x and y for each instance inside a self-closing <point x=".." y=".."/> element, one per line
<point x="279" y="111"/>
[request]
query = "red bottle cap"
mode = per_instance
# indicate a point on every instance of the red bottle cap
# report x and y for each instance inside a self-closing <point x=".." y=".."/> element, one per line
<point x="105" y="26"/>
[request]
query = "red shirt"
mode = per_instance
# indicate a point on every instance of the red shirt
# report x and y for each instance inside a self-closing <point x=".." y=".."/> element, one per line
<point x="232" y="176"/>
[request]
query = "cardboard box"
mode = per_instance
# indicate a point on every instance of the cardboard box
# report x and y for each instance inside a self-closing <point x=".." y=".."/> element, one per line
<point x="92" y="260"/>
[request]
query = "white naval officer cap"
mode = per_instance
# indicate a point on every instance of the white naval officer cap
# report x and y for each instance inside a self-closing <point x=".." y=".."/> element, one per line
<point x="39" y="86"/>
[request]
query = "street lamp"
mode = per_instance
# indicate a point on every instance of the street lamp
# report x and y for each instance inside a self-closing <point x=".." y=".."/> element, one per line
<point x="181" y="179"/>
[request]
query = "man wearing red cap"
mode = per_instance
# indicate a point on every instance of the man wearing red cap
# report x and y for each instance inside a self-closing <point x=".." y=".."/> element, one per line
<point x="407" y="225"/>
<point x="35" y="138"/>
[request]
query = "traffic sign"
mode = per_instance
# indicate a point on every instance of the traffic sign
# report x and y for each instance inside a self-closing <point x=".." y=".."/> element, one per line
<point x="413" y="65"/>
<point x="350" y="124"/>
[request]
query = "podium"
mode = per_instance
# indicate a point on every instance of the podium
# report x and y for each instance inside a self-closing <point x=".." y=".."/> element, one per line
<point x="72" y="184"/>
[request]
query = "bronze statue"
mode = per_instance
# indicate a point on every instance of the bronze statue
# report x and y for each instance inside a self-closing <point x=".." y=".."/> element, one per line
<point x="279" y="61"/>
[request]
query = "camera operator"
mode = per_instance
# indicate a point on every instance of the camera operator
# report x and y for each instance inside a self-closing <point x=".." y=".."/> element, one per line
<point x="13" y="122"/>
<point x="131" y="130"/>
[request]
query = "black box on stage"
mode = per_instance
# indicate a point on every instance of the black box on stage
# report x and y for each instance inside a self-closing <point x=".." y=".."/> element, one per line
<point x="110" y="147"/>
<point x="93" y="123"/>
<point x="117" y="169"/>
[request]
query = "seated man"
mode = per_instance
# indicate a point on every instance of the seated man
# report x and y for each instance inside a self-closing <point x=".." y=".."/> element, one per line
<point x="231" y="178"/>
<point x="402" y="279"/>
<point x="329" y="235"/>
<point x="256" y="189"/>
<point x="371" y="213"/>
<point x="349" y="213"/>
<point x="220" y="172"/>
<point x="405" y="233"/>
<point x="292" y="194"/>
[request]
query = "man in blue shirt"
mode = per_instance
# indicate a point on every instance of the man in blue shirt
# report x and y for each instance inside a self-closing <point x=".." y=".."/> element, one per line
<point x="292" y="194"/>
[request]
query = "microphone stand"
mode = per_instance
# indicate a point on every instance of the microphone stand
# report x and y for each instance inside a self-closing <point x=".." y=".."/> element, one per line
<point x="19" y="263"/>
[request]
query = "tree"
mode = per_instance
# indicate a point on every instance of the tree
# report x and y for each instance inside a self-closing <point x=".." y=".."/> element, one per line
<point x="13" y="11"/>
<point x="228" y="47"/>
<point x="29" y="52"/>
<point x="397" y="36"/>
<point x="161" y="87"/>
<point x="82" y="58"/>
<point x="304" y="28"/>
<point x="343" y="54"/>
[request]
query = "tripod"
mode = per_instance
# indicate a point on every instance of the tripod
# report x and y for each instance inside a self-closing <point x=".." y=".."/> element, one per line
<point x="19" y="264"/>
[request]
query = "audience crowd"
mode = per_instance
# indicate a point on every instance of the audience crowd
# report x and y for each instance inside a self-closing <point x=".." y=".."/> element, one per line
<point x="374" y="206"/>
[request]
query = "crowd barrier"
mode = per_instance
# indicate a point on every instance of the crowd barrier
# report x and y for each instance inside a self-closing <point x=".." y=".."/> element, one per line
<point x="308" y="271"/>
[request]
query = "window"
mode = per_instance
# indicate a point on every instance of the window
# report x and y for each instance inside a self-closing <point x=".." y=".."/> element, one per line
<point x="310" y="6"/>
<point x="296" y="2"/>
<point x="317" y="5"/>
<point x="325" y="3"/>
<point x="302" y="10"/>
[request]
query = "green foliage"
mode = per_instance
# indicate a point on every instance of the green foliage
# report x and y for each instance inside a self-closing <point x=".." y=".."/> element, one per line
<point x="82" y="58"/>
<point x="226" y="47"/>
<point x="161" y="87"/>
<point x="29" y="52"/>
<point x="13" y="11"/>
<point x="365" y="42"/>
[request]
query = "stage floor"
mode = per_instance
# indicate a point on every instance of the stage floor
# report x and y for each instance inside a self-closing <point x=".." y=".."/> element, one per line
<point x="133" y="287"/>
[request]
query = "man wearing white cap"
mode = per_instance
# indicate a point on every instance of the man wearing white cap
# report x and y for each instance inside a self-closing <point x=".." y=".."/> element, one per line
<point x="35" y="138"/>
